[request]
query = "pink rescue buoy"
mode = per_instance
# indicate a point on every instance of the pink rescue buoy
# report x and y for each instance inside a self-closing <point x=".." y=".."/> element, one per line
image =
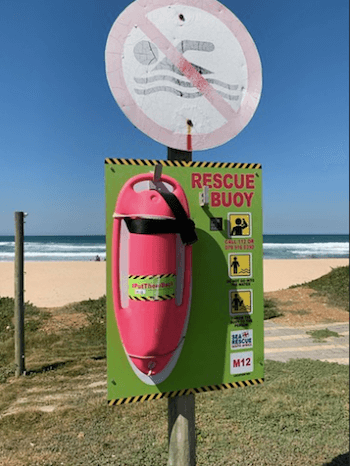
<point x="152" y="273"/>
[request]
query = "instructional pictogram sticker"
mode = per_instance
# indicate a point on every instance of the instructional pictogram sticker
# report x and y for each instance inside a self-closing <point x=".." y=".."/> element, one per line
<point x="241" y="302"/>
<point x="239" y="224"/>
<point x="239" y="265"/>
<point x="187" y="73"/>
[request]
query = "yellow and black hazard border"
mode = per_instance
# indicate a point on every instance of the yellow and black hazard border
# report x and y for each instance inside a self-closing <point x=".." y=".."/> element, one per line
<point x="152" y="298"/>
<point x="185" y="391"/>
<point x="181" y="163"/>
<point x="145" y="277"/>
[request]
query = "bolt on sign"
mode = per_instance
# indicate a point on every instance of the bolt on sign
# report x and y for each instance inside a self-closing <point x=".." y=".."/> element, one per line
<point x="185" y="72"/>
<point x="184" y="278"/>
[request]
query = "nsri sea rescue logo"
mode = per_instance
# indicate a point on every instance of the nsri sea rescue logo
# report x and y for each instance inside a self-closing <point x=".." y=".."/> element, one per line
<point x="241" y="339"/>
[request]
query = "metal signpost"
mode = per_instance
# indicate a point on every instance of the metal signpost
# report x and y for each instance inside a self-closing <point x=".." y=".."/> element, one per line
<point x="186" y="73"/>
<point x="19" y="293"/>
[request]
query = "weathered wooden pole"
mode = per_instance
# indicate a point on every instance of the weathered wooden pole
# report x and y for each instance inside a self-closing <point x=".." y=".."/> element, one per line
<point x="19" y="294"/>
<point x="181" y="431"/>
<point x="181" y="409"/>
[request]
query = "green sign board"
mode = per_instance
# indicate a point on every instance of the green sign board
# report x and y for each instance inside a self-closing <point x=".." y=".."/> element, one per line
<point x="221" y="345"/>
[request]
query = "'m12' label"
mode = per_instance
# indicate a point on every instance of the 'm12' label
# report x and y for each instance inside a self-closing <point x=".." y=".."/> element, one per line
<point x="240" y="363"/>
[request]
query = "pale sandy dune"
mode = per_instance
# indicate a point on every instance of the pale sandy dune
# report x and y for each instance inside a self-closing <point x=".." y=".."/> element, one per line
<point x="53" y="284"/>
<point x="280" y="273"/>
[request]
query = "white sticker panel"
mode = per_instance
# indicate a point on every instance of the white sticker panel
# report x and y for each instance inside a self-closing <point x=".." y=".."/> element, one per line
<point x="241" y="339"/>
<point x="240" y="363"/>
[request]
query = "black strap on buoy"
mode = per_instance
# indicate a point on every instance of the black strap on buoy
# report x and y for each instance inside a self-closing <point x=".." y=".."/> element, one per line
<point x="151" y="226"/>
<point x="186" y="225"/>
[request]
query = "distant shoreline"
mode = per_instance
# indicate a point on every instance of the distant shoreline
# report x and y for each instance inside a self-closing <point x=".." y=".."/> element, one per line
<point x="103" y="259"/>
<point x="305" y="258"/>
<point x="88" y="247"/>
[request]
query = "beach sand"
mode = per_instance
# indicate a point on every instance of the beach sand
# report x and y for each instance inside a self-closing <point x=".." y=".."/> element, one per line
<point x="54" y="284"/>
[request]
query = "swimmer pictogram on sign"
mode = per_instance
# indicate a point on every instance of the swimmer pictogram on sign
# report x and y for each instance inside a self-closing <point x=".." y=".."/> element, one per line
<point x="148" y="55"/>
<point x="169" y="63"/>
<point x="240" y="265"/>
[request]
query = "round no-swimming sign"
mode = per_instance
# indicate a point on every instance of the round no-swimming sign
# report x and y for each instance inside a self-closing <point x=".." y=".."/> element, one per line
<point x="185" y="72"/>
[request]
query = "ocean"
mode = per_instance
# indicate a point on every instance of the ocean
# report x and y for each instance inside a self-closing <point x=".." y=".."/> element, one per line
<point x="87" y="248"/>
<point x="305" y="246"/>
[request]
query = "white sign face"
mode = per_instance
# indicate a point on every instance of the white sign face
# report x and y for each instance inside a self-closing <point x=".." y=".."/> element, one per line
<point x="189" y="76"/>
<point x="240" y="363"/>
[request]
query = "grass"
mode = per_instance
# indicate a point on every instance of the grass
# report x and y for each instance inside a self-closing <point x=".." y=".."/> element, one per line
<point x="96" y="313"/>
<point x="298" y="417"/>
<point x="322" y="334"/>
<point x="334" y="286"/>
<point x="271" y="309"/>
<point x="34" y="317"/>
<point x="65" y="346"/>
<point x="300" y="312"/>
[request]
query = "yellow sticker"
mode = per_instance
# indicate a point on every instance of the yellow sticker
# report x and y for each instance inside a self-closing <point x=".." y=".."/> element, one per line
<point x="239" y="265"/>
<point x="152" y="287"/>
<point x="241" y="302"/>
<point x="239" y="224"/>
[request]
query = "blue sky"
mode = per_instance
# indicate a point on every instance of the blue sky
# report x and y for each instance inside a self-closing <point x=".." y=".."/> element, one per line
<point x="59" y="120"/>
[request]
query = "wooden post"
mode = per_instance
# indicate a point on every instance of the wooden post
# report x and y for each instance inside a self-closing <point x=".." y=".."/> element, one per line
<point x="181" y="409"/>
<point x="19" y="294"/>
<point x="181" y="431"/>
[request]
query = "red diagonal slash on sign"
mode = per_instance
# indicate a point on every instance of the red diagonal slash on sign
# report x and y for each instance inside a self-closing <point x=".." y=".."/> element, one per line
<point x="154" y="34"/>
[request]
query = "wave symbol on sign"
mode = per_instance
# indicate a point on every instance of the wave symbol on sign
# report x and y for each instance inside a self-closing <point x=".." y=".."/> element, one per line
<point x="244" y="271"/>
<point x="147" y="54"/>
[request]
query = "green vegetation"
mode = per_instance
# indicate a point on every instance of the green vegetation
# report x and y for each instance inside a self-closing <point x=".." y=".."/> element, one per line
<point x="57" y="414"/>
<point x="321" y="335"/>
<point x="299" y="416"/>
<point x="34" y="317"/>
<point x="334" y="286"/>
<point x="270" y="309"/>
<point x="96" y="313"/>
<point x="45" y="349"/>
<point x="300" y="312"/>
